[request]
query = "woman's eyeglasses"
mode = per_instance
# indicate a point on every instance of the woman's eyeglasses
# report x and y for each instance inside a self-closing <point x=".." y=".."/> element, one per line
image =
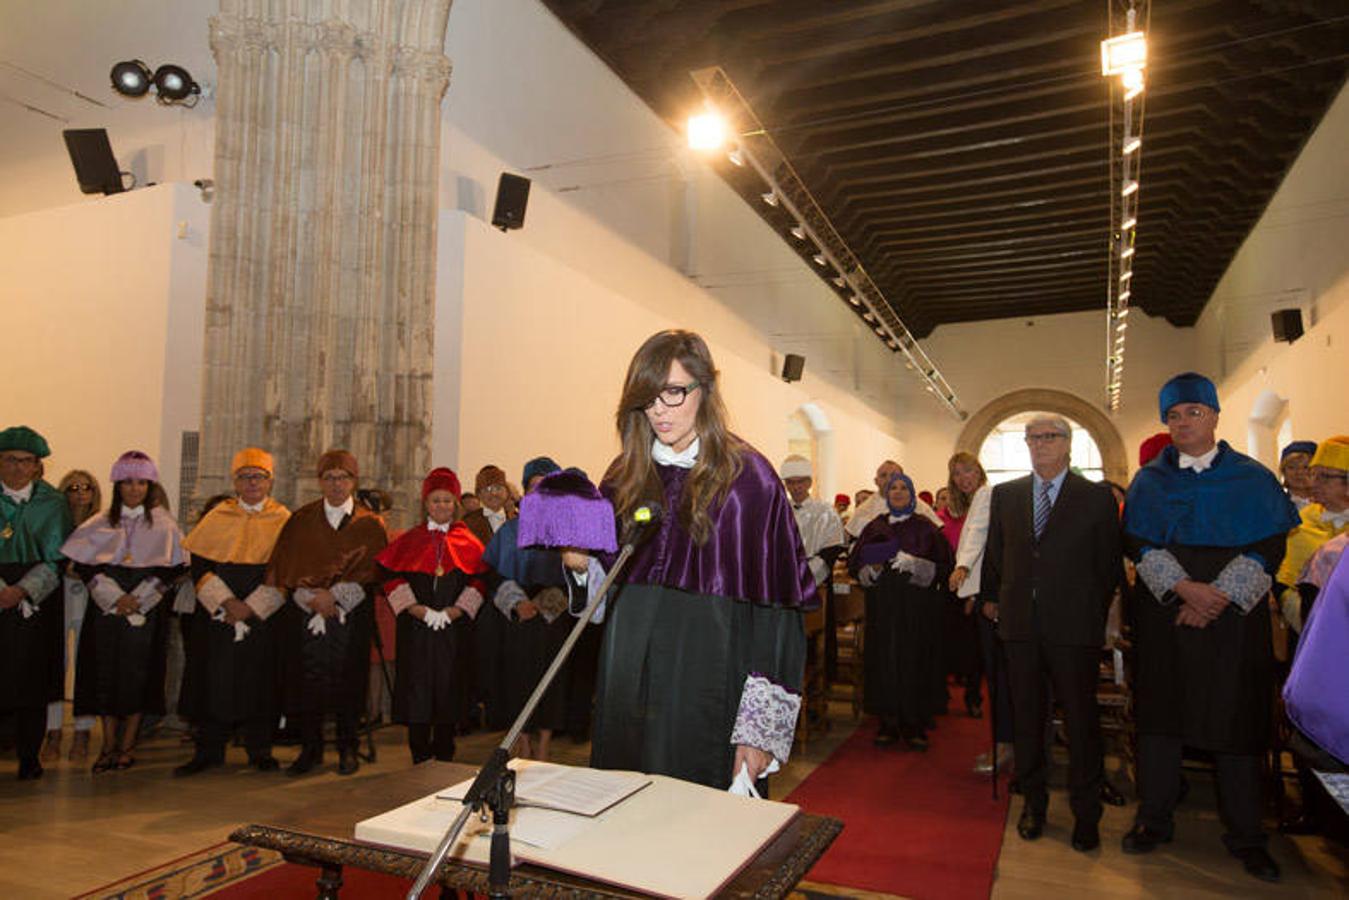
<point x="673" y="395"/>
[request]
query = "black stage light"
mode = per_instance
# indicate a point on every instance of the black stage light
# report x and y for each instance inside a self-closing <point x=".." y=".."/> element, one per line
<point x="173" y="84"/>
<point x="131" y="78"/>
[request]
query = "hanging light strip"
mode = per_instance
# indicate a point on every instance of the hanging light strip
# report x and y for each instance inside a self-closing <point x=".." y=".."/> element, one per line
<point x="835" y="260"/>
<point x="1123" y="56"/>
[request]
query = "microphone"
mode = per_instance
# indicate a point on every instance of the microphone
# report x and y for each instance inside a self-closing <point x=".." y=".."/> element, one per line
<point x="641" y="522"/>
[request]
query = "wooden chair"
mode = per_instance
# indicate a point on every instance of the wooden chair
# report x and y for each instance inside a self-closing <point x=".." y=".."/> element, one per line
<point x="814" y="718"/>
<point x="850" y="628"/>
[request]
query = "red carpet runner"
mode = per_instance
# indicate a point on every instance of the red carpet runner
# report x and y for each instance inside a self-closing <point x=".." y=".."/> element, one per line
<point x="915" y="824"/>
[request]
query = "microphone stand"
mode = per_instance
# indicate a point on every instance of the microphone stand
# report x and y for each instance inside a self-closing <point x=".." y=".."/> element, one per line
<point x="494" y="785"/>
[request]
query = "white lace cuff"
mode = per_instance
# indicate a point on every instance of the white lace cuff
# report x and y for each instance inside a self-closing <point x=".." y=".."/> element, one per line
<point x="1161" y="572"/>
<point x="105" y="592"/>
<point x="40" y="581"/>
<point x="470" y="601"/>
<point x="149" y="592"/>
<point x="264" y="600"/>
<point x="401" y="598"/>
<point x="767" y="717"/>
<point x="304" y="598"/>
<point x="508" y="596"/>
<point x="212" y="592"/>
<point x="348" y="595"/>
<point x="819" y="570"/>
<point x="1245" y="582"/>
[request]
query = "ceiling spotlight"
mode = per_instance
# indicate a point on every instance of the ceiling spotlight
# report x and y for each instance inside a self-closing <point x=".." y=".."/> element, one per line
<point x="1132" y="81"/>
<point x="1126" y="275"/>
<point x="131" y="78"/>
<point x="1126" y="253"/>
<point x="707" y="131"/>
<point x="1131" y="146"/>
<point x="173" y="84"/>
<point x="1124" y="296"/>
<point x="736" y="155"/>
<point x="798" y="232"/>
<point x="771" y="198"/>
<point x="1130" y="187"/>
<point x="819" y="259"/>
<point x="854" y="300"/>
<point x="1131" y="222"/>
<point x="1123" y="53"/>
<point x="840" y="281"/>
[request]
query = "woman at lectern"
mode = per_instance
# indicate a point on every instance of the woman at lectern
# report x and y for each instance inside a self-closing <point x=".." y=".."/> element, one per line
<point x="703" y="656"/>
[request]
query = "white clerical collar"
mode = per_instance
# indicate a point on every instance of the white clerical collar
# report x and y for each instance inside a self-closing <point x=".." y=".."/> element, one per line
<point x="665" y="455"/>
<point x="253" y="507"/>
<point x="1198" y="463"/>
<point x="1337" y="520"/>
<point x="894" y="519"/>
<point x="433" y="525"/>
<point x="23" y="495"/>
<point x="336" y="514"/>
<point x="133" y="512"/>
<point x="495" y="517"/>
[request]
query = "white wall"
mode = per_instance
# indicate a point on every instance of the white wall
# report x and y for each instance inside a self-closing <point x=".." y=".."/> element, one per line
<point x="104" y="307"/>
<point x="1297" y="255"/>
<point x="543" y="349"/>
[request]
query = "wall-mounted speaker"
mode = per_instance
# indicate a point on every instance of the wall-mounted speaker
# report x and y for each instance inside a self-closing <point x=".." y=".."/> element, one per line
<point x="1287" y="324"/>
<point x="792" y="367"/>
<point x="512" y="198"/>
<point x="91" y="155"/>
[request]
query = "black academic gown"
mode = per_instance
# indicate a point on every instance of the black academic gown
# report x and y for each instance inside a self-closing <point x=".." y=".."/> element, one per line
<point x="120" y="667"/>
<point x="1211" y="687"/>
<point x="227" y="680"/>
<point x="431" y="684"/>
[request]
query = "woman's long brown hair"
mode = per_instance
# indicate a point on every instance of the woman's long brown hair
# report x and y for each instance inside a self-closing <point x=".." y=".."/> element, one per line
<point x="633" y="475"/>
<point x="959" y="502"/>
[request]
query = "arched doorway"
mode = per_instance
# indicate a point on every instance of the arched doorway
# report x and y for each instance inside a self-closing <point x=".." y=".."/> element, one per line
<point x="1114" y="460"/>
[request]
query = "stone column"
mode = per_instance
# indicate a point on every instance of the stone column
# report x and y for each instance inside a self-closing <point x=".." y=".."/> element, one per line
<point x="320" y="299"/>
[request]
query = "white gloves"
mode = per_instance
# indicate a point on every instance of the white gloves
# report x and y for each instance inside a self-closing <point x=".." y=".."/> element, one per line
<point x="436" y="619"/>
<point x="241" y="629"/>
<point x="867" y="575"/>
<point x="317" y="625"/>
<point x="26" y="608"/>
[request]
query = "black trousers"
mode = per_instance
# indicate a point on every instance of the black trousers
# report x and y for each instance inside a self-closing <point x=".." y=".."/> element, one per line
<point x="30" y="724"/>
<point x="1073" y="672"/>
<point x="257" y="737"/>
<point x="995" y="670"/>
<point x="311" y="730"/>
<point x="431" y="740"/>
<point x="1238" y="780"/>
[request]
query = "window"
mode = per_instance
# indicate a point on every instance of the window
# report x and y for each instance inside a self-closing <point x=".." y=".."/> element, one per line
<point x="1005" y="455"/>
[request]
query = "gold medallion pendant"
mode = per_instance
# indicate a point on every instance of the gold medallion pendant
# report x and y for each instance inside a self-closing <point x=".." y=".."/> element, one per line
<point x="126" y="558"/>
<point x="7" y="533"/>
<point x="440" y="570"/>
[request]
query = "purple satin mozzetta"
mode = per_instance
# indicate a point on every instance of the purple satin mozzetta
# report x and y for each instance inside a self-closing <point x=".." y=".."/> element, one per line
<point x="566" y="510"/>
<point x="755" y="552"/>
<point x="882" y="539"/>
<point x="1315" y="693"/>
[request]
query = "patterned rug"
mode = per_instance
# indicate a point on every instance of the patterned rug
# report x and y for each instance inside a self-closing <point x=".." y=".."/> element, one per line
<point x="229" y="870"/>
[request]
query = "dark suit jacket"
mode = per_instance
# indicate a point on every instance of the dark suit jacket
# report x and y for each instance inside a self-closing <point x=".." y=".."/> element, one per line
<point x="1058" y="588"/>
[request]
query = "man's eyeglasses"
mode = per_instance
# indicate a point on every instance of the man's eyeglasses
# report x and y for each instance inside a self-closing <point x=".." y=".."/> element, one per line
<point x="673" y="395"/>
<point x="15" y="459"/>
<point x="257" y="477"/>
<point x="1045" y="438"/>
<point x="337" y="479"/>
<point x="1330" y="476"/>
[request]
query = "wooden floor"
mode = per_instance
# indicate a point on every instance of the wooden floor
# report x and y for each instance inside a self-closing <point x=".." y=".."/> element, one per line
<point x="72" y="832"/>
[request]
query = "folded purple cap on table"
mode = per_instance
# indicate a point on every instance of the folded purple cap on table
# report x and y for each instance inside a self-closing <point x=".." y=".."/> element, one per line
<point x="566" y="510"/>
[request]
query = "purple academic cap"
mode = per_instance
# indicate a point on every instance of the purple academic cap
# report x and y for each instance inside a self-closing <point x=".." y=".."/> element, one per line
<point x="565" y="509"/>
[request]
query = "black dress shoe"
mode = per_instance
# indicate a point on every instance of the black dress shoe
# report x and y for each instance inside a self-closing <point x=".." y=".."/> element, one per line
<point x="1031" y="824"/>
<point x="305" y="762"/>
<point x="195" y="765"/>
<point x="1142" y="839"/>
<point x="1257" y="861"/>
<point x="917" y="742"/>
<point x="264" y="763"/>
<point x="1086" y="837"/>
<point x="974" y="707"/>
<point x="348" y="763"/>
<point x="1110" y="795"/>
<point x="1300" y="824"/>
<point x="30" y="769"/>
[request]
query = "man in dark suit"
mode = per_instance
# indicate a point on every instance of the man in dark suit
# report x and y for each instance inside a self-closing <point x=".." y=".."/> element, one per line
<point x="1051" y="566"/>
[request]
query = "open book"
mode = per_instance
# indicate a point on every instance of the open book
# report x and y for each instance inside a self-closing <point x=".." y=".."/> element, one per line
<point x="666" y="837"/>
<point x="569" y="789"/>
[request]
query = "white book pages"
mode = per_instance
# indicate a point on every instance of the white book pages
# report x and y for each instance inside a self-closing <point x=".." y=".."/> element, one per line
<point x="572" y="789"/>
